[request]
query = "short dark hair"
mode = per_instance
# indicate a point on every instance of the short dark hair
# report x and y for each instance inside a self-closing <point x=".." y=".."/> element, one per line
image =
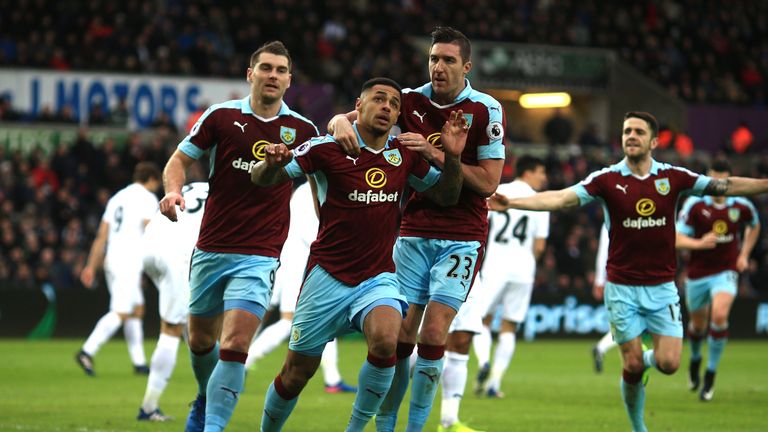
<point x="381" y="81"/>
<point x="527" y="163"/>
<point x="648" y="117"/>
<point x="146" y="171"/>
<point x="274" y="47"/>
<point x="442" y="34"/>
<point x="720" y="165"/>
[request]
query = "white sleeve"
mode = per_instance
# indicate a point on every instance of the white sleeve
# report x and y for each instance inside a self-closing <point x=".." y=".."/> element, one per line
<point x="602" y="257"/>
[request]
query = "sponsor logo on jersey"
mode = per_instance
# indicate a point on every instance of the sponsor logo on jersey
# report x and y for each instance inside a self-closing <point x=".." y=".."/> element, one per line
<point x="295" y="334"/>
<point x="240" y="164"/>
<point x="733" y="214"/>
<point x="259" y="149"/>
<point x="376" y="178"/>
<point x="434" y="139"/>
<point x="720" y="227"/>
<point x="662" y="186"/>
<point x="370" y="196"/>
<point x="645" y="208"/>
<point x="393" y="157"/>
<point x="288" y="135"/>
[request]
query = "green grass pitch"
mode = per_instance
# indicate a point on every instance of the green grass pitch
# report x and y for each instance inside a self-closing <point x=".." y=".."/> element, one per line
<point x="550" y="386"/>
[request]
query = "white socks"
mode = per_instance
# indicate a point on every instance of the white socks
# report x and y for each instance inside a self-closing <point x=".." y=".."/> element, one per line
<point x="330" y="363"/>
<point x="454" y="383"/>
<point x="605" y="343"/>
<point x="161" y="368"/>
<point x="104" y="330"/>
<point x="134" y="337"/>
<point x="501" y="358"/>
<point x="481" y="342"/>
<point x="268" y="340"/>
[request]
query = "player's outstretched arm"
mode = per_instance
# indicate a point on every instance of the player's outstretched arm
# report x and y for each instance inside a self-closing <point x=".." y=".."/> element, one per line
<point x="734" y="186"/>
<point x="542" y="201"/>
<point x="270" y="171"/>
<point x="454" y="136"/>
<point x="707" y="241"/>
<point x="174" y="177"/>
<point x="340" y="126"/>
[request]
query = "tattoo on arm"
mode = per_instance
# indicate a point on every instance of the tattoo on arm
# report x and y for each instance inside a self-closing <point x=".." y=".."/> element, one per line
<point x="717" y="187"/>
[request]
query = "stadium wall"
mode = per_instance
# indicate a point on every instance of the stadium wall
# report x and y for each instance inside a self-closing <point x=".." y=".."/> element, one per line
<point x="76" y="311"/>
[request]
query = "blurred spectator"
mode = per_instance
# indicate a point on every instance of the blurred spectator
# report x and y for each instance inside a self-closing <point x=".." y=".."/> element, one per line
<point x="589" y="138"/>
<point x="66" y="115"/>
<point x="119" y="115"/>
<point x="740" y="141"/>
<point x="98" y="116"/>
<point x="44" y="176"/>
<point x="7" y="112"/>
<point x="558" y="129"/>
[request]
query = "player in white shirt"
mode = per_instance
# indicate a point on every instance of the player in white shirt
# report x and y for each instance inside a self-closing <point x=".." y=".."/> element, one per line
<point x="517" y="239"/>
<point x="167" y="251"/>
<point x="288" y="280"/>
<point x="606" y="342"/>
<point x="117" y="248"/>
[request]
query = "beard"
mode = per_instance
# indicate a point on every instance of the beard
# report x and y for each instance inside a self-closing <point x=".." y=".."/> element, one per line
<point x="378" y="131"/>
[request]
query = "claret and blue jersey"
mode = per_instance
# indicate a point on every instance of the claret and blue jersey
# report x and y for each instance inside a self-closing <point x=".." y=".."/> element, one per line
<point x="241" y="217"/>
<point x="468" y="219"/>
<point x="701" y="215"/>
<point x="359" y="202"/>
<point x="640" y="217"/>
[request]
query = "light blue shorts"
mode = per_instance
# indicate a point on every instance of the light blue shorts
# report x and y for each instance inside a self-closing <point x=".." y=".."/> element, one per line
<point x="699" y="292"/>
<point x="634" y="308"/>
<point x="437" y="270"/>
<point x="224" y="281"/>
<point x="328" y="308"/>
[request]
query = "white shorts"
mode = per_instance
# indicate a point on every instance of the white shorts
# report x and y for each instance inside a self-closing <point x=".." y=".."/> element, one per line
<point x="289" y="278"/>
<point x="124" y="284"/>
<point x="470" y="315"/>
<point x="515" y="297"/>
<point x="170" y="274"/>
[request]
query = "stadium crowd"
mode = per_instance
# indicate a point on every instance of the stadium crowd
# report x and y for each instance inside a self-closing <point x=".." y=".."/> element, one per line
<point x="52" y="204"/>
<point x="698" y="50"/>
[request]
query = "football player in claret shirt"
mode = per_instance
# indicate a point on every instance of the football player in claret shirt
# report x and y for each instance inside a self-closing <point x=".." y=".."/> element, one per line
<point x="639" y="196"/>
<point x="242" y="232"/>
<point x="350" y="282"/>
<point x="438" y="249"/>
<point x="710" y="226"/>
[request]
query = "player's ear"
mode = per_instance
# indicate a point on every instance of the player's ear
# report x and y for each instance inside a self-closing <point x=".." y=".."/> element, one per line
<point x="467" y="67"/>
<point x="654" y="142"/>
<point x="248" y="75"/>
<point x="358" y="102"/>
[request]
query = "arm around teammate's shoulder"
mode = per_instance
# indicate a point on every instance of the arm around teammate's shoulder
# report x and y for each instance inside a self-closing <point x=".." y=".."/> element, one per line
<point x="271" y="170"/>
